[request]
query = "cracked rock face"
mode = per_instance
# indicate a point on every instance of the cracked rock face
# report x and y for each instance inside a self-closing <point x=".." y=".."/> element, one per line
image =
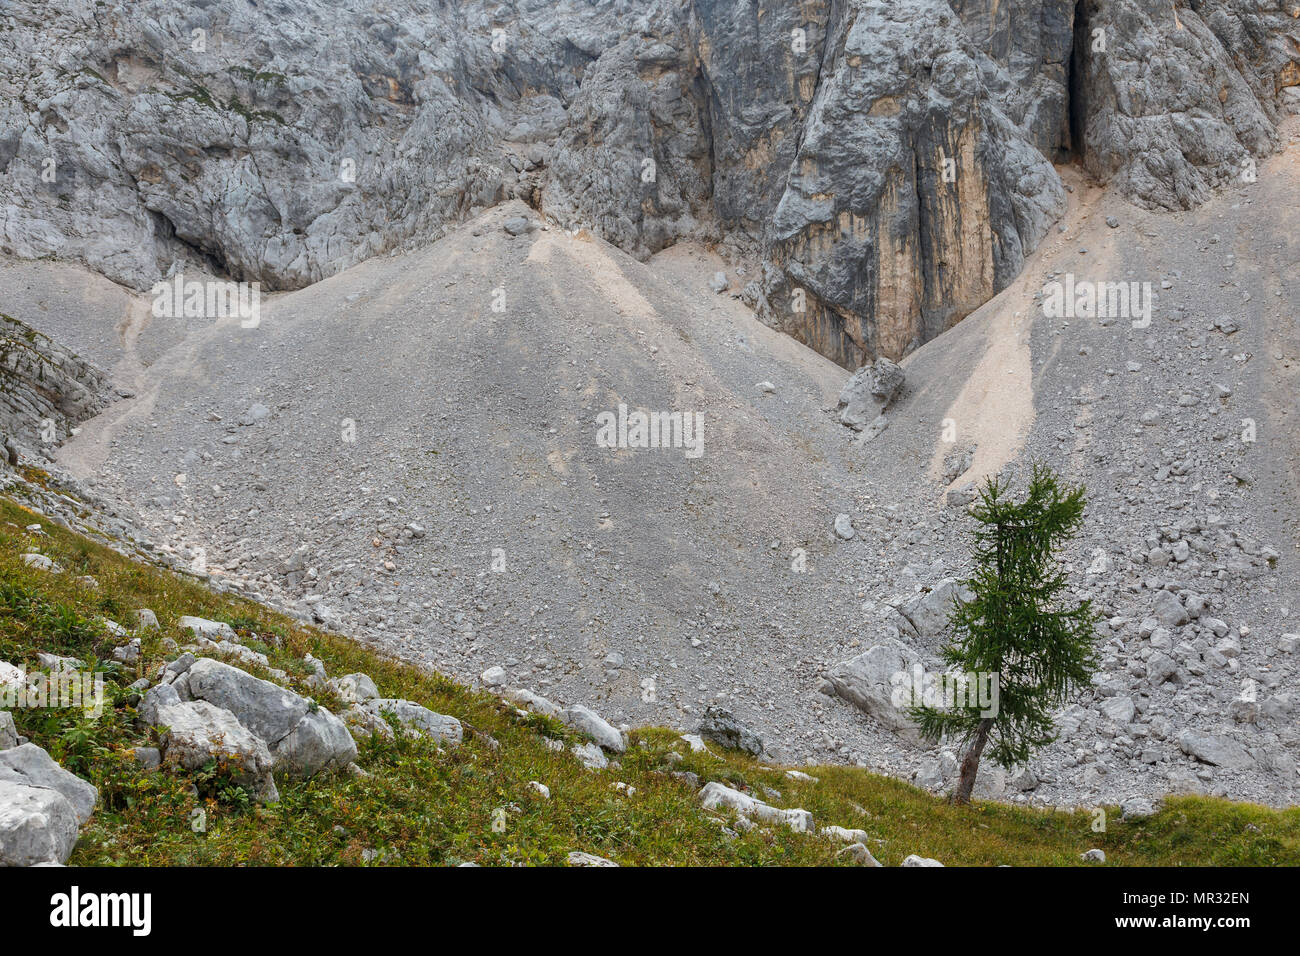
<point x="45" y="390"/>
<point x="1027" y="45"/>
<point x="889" y="162"/>
<point x="1180" y="101"/>
<point x="911" y="200"/>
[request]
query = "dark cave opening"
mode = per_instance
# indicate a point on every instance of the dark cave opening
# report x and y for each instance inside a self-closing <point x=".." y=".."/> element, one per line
<point x="1077" y="70"/>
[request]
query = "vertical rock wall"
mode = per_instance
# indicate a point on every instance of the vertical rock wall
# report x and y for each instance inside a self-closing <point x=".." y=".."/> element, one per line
<point x="889" y="160"/>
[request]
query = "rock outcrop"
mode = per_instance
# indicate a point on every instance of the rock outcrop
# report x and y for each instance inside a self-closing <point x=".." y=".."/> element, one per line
<point x="716" y="795"/>
<point x="45" y="390"/>
<point x="214" y="709"/>
<point x="198" y="732"/>
<point x="370" y="717"/>
<point x="303" y="737"/>
<point x="911" y="199"/>
<point x="1179" y="100"/>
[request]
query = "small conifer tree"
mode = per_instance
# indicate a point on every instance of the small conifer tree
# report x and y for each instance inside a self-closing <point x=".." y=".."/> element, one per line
<point x="1016" y="628"/>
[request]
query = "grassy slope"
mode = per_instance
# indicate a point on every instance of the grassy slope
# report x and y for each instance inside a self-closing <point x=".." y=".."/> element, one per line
<point x="420" y="806"/>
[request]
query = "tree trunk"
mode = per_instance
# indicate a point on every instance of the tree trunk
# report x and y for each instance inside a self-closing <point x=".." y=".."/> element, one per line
<point x="970" y="764"/>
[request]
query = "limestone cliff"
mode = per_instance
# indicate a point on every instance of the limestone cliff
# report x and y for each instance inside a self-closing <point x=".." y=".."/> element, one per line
<point x="889" y="162"/>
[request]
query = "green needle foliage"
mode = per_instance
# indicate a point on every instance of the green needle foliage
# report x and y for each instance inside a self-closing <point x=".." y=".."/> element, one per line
<point x="1016" y="627"/>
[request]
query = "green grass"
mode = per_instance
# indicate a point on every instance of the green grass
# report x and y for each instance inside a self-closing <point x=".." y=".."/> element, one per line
<point x="259" y="76"/>
<point x="421" y="806"/>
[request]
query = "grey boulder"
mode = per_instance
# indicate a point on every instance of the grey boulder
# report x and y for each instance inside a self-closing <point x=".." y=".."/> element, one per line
<point x="721" y="726"/>
<point x="868" y="392"/>
<point x="869" y="681"/>
<point x="517" y="225"/>
<point x="587" y="721"/>
<point x="37" y="825"/>
<point x="302" y="737"/>
<point x="590" y="756"/>
<point x="1169" y="610"/>
<point x="1217" y="750"/>
<point x="369" y="717"/>
<point x="844" y="834"/>
<point x="1119" y="709"/>
<point x="197" y="732"/>
<point x="212" y="630"/>
<point x="31" y="766"/>
<point x="320" y="741"/>
<point x="716" y="795"/>
<point x="578" y="858"/>
<point x="530" y="701"/>
<point x="354" y="688"/>
<point x="859" y="854"/>
<point x="1136" y="808"/>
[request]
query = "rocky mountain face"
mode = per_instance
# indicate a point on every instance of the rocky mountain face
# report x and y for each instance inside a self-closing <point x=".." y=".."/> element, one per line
<point x="887" y="165"/>
<point x="45" y="390"/>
